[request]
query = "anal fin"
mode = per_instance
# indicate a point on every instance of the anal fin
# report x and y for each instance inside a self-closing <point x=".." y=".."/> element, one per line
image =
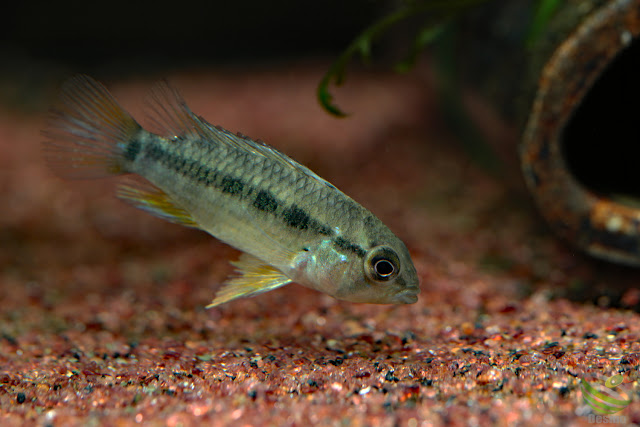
<point x="254" y="277"/>
<point x="156" y="202"/>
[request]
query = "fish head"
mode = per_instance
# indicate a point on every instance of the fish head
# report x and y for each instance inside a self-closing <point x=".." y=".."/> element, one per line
<point x="385" y="275"/>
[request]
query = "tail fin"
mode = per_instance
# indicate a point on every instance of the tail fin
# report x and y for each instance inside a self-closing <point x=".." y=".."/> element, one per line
<point x="88" y="131"/>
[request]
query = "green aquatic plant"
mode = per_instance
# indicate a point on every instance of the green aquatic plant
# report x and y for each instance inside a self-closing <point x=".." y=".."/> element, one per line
<point x="545" y="9"/>
<point x="438" y="15"/>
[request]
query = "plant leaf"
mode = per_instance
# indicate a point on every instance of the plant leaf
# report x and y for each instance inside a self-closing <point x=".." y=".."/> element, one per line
<point x="362" y="43"/>
<point x="425" y="37"/>
<point x="544" y="13"/>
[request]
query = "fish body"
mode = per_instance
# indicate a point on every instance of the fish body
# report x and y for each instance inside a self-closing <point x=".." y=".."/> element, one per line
<point x="290" y="224"/>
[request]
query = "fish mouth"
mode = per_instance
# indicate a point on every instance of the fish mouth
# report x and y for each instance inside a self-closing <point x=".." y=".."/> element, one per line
<point x="408" y="296"/>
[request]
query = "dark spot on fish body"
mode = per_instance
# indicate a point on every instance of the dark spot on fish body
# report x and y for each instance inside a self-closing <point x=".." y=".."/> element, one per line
<point x="167" y="158"/>
<point x="231" y="185"/>
<point x="152" y="151"/>
<point x="265" y="201"/>
<point x="344" y="244"/>
<point x="323" y="229"/>
<point x="132" y="150"/>
<point x="296" y="217"/>
<point x="189" y="168"/>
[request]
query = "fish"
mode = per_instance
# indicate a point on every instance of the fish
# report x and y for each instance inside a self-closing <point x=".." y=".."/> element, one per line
<point x="289" y="224"/>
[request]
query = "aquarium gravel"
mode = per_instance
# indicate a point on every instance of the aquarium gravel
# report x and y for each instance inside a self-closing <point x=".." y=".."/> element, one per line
<point x="103" y="318"/>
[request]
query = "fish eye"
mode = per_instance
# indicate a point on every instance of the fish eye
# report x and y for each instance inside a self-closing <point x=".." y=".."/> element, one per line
<point x="382" y="264"/>
<point x="384" y="268"/>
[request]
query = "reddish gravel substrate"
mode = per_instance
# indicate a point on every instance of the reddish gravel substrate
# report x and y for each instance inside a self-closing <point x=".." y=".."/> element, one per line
<point x="103" y="321"/>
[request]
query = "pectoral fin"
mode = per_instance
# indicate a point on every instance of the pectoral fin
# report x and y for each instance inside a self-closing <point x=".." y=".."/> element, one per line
<point x="253" y="277"/>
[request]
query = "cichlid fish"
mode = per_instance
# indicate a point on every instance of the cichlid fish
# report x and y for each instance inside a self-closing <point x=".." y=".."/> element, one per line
<point x="290" y="224"/>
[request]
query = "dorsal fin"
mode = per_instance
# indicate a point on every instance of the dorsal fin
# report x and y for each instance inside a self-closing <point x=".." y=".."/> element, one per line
<point x="174" y="119"/>
<point x="169" y="113"/>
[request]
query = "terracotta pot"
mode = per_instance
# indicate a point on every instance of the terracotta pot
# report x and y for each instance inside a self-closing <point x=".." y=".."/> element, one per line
<point x="576" y="95"/>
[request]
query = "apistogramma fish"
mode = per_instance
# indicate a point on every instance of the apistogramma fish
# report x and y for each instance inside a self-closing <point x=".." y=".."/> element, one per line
<point x="290" y="224"/>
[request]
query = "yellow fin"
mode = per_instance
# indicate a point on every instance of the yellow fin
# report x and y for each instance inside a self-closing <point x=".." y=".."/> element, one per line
<point x="254" y="277"/>
<point x="156" y="202"/>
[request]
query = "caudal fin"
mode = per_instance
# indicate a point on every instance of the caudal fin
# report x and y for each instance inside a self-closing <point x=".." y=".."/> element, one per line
<point x="88" y="131"/>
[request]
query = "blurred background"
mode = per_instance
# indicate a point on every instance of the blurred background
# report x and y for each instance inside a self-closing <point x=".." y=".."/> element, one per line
<point x="42" y="41"/>
<point x="103" y="305"/>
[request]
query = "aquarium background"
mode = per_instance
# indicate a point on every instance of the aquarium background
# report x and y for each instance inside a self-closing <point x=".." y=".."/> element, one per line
<point x="102" y="318"/>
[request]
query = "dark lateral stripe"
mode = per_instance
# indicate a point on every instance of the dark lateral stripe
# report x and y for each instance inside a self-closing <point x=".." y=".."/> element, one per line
<point x="293" y="216"/>
<point x="322" y="229"/>
<point x="265" y="201"/>
<point x="232" y="185"/>
<point x="348" y="246"/>
<point x="296" y="217"/>
<point x="132" y="150"/>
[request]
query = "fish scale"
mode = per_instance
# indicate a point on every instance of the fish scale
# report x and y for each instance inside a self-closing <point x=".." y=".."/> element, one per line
<point x="290" y="224"/>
